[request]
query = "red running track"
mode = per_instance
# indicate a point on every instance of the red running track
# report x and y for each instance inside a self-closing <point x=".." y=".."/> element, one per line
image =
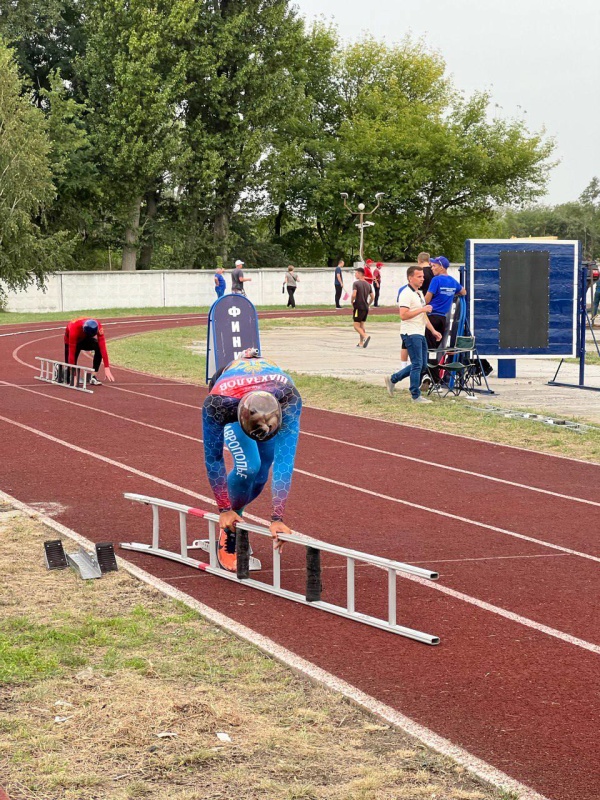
<point x="514" y="535"/>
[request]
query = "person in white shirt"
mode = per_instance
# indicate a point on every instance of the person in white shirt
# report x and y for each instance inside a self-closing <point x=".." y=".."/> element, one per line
<point x="413" y="322"/>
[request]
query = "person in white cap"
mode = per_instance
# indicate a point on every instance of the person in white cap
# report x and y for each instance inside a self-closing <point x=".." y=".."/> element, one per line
<point x="237" y="279"/>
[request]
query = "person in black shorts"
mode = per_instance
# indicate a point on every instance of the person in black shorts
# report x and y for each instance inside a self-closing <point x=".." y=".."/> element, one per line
<point x="362" y="297"/>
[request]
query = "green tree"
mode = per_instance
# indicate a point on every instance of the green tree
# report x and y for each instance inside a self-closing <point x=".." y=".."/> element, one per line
<point x="397" y="125"/>
<point x="47" y="36"/>
<point x="135" y="81"/>
<point x="26" y="187"/>
<point x="245" y="60"/>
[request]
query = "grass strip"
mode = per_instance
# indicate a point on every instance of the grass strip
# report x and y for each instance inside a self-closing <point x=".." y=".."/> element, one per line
<point x="170" y="354"/>
<point x="110" y="690"/>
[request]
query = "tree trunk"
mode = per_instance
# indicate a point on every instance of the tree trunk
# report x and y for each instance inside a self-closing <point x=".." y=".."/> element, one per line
<point x="148" y="246"/>
<point x="221" y="233"/>
<point x="131" y="237"/>
<point x="279" y="219"/>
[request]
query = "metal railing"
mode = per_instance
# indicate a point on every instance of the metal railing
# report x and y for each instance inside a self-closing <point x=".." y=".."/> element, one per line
<point x="69" y="375"/>
<point x="314" y="548"/>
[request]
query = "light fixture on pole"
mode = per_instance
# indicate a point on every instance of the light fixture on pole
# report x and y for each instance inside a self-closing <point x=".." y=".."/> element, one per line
<point x="362" y="223"/>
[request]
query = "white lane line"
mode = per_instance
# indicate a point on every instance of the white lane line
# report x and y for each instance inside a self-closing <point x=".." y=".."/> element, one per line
<point x="525" y="486"/>
<point x="102" y="411"/>
<point x="565" y="637"/>
<point x="500" y="445"/>
<point x="409" y="503"/>
<point x="392" y="454"/>
<point x="475" y="765"/>
<point x="202" y="316"/>
<point x="276" y="315"/>
<point x="448" y="515"/>
<point x="503" y="612"/>
<point x="138" y="321"/>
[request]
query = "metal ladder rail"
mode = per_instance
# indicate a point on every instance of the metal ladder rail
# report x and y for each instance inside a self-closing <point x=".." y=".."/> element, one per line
<point x="352" y="556"/>
<point x="47" y="366"/>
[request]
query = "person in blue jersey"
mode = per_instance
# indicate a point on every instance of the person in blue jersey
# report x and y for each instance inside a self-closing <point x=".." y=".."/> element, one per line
<point x="253" y="409"/>
<point x="439" y="296"/>
<point x="219" y="282"/>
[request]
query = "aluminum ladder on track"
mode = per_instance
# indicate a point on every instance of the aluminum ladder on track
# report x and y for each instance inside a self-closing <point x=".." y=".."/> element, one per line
<point x="62" y="374"/>
<point x="314" y="547"/>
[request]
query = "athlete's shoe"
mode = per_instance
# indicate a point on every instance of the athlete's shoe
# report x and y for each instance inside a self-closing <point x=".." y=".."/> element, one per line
<point x="421" y="399"/>
<point x="366" y="341"/>
<point x="226" y="550"/>
<point x="93" y="381"/>
<point x="391" y="387"/>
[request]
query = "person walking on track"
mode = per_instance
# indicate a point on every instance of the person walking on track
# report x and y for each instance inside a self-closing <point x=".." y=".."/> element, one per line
<point x="253" y="409"/>
<point x="87" y="334"/>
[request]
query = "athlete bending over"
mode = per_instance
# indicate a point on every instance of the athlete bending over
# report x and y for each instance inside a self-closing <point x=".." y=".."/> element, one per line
<point x="253" y="408"/>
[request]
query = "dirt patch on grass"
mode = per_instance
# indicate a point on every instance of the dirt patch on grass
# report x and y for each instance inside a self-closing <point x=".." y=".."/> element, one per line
<point x="111" y="691"/>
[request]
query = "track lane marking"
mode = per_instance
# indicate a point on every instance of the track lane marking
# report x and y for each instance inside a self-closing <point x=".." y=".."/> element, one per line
<point x="447" y="514"/>
<point x="390" y="453"/>
<point x="482" y="604"/>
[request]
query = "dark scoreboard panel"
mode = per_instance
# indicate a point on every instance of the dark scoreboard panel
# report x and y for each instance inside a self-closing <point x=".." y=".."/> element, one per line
<point x="523" y="296"/>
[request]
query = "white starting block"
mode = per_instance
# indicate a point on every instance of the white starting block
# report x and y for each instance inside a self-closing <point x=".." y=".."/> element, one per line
<point x="314" y="547"/>
<point x="69" y="375"/>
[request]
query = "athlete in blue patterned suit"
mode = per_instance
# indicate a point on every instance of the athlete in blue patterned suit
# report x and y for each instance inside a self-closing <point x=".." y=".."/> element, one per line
<point x="253" y="408"/>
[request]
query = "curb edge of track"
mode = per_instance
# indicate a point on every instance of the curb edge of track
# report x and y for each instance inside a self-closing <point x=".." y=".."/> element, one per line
<point x="476" y="766"/>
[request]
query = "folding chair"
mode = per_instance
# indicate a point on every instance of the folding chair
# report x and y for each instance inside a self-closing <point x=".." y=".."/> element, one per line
<point x="460" y="370"/>
<point x="456" y="370"/>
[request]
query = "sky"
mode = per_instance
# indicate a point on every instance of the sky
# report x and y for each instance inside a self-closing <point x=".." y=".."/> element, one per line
<point x="539" y="59"/>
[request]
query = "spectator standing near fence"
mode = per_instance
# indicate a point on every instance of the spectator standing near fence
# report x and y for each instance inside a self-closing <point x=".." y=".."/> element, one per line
<point x="338" y="282"/>
<point x="368" y="268"/>
<point x="362" y="297"/>
<point x="219" y="282"/>
<point x="291" y="281"/>
<point x="413" y="323"/>
<point x="237" y="278"/>
<point x="377" y="282"/>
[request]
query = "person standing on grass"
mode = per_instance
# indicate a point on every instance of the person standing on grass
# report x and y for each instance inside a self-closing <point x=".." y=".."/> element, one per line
<point x="87" y="334"/>
<point x="291" y="281"/>
<point x="338" y="282"/>
<point x="413" y="323"/>
<point x="237" y="279"/>
<point x="362" y="297"/>
<point x="219" y="282"/>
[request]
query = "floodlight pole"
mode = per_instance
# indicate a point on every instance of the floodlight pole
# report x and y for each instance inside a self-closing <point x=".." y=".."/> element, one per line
<point x="361" y="225"/>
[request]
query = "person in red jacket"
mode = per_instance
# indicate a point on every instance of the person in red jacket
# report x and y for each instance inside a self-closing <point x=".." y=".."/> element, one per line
<point x="87" y="334"/>
<point x="368" y="268"/>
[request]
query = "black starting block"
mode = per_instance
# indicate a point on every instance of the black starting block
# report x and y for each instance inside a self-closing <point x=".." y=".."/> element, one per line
<point x="88" y="565"/>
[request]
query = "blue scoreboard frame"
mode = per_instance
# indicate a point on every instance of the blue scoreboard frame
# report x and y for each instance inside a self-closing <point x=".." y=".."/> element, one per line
<point x="546" y="293"/>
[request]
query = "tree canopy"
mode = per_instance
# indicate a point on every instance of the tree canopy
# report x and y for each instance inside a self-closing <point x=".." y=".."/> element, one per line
<point x="26" y="187"/>
<point x="182" y="132"/>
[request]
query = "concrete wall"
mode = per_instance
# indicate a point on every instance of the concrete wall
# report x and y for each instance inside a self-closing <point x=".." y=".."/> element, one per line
<point x="74" y="291"/>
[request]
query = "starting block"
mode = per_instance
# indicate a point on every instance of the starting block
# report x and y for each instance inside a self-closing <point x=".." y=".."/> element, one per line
<point x="88" y="565"/>
<point x="69" y="375"/>
<point x="314" y="548"/>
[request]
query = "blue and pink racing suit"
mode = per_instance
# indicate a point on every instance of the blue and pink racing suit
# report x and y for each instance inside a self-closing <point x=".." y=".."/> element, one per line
<point x="252" y="459"/>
